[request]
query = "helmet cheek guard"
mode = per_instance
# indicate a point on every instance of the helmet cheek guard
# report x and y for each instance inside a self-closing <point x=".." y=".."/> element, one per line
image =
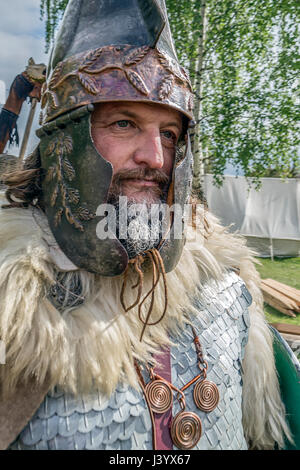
<point x="76" y="182"/>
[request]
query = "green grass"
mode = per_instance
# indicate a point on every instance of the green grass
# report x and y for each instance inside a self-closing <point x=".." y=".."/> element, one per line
<point x="286" y="270"/>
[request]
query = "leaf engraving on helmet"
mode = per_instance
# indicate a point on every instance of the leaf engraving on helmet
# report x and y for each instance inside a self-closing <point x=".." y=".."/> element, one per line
<point x="166" y="87"/>
<point x="97" y="75"/>
<point x="136" y="80"/>
<point x="84" y="213"/>
<point x="89" y="83"/>
<point x="55" y="75"/>
<point x="136" y="55"/>
<point x="59" y="174"/>
<point x="91" y="58"/>
<point x="173" y="67"/>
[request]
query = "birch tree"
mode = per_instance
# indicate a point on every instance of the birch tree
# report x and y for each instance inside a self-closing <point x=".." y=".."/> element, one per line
<point x="242" y="56"/>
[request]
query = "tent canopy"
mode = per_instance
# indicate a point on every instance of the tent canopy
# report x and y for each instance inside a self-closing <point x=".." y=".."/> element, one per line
<point x="269" y="217"/>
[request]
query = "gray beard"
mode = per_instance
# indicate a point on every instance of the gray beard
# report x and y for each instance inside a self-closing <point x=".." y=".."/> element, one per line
<point x="144" y="226"/>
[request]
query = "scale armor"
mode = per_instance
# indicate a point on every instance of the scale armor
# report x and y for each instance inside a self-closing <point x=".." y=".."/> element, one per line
<point x="122" y="422"/>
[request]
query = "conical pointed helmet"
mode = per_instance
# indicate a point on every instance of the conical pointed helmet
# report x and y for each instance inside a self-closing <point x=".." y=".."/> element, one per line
<point x="105" y="51"/>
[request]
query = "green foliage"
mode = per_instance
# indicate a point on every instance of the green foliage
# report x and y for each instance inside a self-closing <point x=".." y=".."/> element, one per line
<point x="249" y="111"/>
<point x="53" y="11"/>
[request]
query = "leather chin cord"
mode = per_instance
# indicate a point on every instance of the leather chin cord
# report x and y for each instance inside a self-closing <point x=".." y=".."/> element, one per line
<point x="158" y="269"/>
<point x="143" y="386"/>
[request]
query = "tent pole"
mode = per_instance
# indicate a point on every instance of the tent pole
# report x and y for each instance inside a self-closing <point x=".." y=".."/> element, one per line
<point x="271" y="249"/>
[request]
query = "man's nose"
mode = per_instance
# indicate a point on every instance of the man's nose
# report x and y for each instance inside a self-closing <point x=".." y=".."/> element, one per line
<point x="149" y="150"/>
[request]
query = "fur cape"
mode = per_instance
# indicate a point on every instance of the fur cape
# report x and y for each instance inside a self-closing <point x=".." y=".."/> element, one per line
<point x="95" y="343"/>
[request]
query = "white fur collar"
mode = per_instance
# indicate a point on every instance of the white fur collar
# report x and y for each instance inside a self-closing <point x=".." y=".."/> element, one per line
<point x="96" y="343"/>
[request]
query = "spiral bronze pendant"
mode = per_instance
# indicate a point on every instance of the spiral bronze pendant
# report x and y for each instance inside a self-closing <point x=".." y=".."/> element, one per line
<point x="186" y="430"/>
<point x="206" y="395"/>
<point x="159" y="396"/>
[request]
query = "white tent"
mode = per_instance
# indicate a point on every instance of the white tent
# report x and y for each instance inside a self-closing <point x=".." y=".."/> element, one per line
<point x="269" y="218"/>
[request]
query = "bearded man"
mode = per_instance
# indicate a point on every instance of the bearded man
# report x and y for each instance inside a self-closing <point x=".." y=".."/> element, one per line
<point x="127" y="339"/>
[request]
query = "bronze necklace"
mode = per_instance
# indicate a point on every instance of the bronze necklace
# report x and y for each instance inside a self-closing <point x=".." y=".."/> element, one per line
<point x="186" y="426"/>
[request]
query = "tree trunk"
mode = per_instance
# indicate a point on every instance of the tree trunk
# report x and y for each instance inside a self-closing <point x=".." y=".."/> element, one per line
<point x="198" y="180"/>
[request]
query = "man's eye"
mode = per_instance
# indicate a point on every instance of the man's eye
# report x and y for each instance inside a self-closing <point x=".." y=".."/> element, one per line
<point x="124" y="123"/>
<point x="169" y="135"/>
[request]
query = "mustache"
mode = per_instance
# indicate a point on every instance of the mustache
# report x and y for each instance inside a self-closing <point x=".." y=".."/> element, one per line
<point x="151" y="174"/>
<point x="158" y="176"/>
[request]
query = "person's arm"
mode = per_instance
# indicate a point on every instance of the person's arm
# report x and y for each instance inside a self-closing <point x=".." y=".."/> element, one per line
<point x="26" y="84"/>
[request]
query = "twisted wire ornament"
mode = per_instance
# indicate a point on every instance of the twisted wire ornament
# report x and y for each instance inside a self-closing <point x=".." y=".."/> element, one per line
<point x="206" y="395"/>
<point x="159" y="396"/>
<point x="186" y="426"/>
<point x="186" y="430"/>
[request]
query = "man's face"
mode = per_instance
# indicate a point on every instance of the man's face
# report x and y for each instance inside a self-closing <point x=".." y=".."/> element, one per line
<point x="139" y="141"/>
